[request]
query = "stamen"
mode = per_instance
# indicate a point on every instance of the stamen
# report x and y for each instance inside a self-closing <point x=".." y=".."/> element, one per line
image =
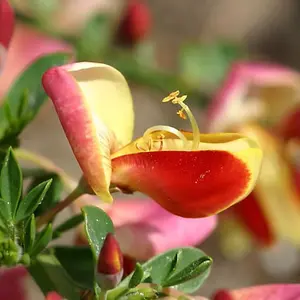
<point x="160" y="128"/>
<point x="184" y="108"/>
<point x="148" y="142"/>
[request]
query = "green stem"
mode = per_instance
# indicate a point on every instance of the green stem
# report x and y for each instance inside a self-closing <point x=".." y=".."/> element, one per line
<point x="49" y="215"/>
<point x="46" y="164"/>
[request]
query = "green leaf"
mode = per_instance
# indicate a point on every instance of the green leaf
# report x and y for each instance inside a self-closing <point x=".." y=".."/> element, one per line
<point x="32" y="200"/>
<point x="174" y="263"/>
<point x="11" y="183"/>
<point x="51" y="276"/>
<point x="54" y="192"/>
<point x="116" y="293"/>
<point x="43" y="239"/>
<point x="95" y="38"/>
<point x="161" y="265"/>
<point x="136" y="277"/>
<point x="97" y="225"/>
<point x="26" y="95"/>
<point x="30" y="233"/>
<point x="67" y="225"/>
<point x="5" y="215"/>
<point x="205" y="65"/>
<point x="78" y="263"/>
<point x="144" y="54"/>
<point x="193" y="270"/>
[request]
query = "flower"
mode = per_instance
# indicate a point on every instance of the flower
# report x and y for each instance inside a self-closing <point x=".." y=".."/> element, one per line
<point x="7" y="21"/>
<point x="254" y="91"/>
<point x="188" y="173"/>
<point x="144" y="229"/>
<point x="260" y="100"/>
<point x="27" y="44"/>
<point x="12" y="284"/>
<point x="264" y="292"/>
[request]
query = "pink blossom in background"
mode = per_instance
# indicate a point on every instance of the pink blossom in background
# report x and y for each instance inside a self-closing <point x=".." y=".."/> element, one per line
<point x="264" y="292"/>
<point x="144" y="229"/>
<point x="253" y="91"/>
<point x="27" y="45"/>
<point x="7" y="21"/>
<point x="12" y="284"/>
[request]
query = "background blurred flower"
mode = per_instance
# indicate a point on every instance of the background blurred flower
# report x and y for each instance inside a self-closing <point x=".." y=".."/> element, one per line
<point x="253" y="91"/>
<point x="27" y="44"/>
<point x="267" y="97"/>
<point x="144" y="229"/>
<point x="7" y="20"/>
<point x="264" y="292"/>
<point x="12" y="284"/>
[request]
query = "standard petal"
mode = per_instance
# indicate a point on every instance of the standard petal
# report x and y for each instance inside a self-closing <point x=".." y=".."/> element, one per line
<point x="27" y="45"/>
<point x="94" y="105"/>
<point x="253" y="91"/>
<point x="7" y="21"/>
<point x="275" y="190"/>
<point x="264" y="292"/>
<point x="192" y="183"/>
<point x="144" y="229"/>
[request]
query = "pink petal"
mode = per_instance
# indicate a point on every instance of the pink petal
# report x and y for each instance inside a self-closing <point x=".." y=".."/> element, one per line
<point x="144" y="229"/>
<point x="12" y="283"/>
<point x="265" y="292"/>
<point x="229" y="105"/>
<point x="95" y="109"/>
<point x="7" y="21"/>
<point x="27" y="45"/>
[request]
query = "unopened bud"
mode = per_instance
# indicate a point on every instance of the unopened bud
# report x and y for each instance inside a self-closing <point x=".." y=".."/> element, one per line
<point x="53" y="296"/>
<point x="10" y="253"/>
<point x="135" y="24"/>
<point x="222" y="295"/>
<point x="110" y="263"/>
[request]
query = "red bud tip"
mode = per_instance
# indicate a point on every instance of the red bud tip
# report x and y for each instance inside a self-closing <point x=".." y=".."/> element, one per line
<point x="53" y="296"/>
<point x="222" y="295"/>
<point x="110" y="258"/>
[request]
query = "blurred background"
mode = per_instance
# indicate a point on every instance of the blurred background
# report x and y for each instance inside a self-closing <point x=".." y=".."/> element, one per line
<point x="162" y="46"/>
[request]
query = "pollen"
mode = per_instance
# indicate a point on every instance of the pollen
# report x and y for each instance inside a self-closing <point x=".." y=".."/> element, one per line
<point x="181" y="114"/>
<point x="171" y="97"/>
<point x="185" y="113"/>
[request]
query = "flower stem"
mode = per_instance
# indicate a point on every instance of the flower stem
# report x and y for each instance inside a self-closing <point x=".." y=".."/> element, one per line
<point x="49" y="215"/>
<point x="46" y="164"/>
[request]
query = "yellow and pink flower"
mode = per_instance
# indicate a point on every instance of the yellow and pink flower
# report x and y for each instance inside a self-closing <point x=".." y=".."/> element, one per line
<point x="189" y="174"/>
<point x="261" y="101"/>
